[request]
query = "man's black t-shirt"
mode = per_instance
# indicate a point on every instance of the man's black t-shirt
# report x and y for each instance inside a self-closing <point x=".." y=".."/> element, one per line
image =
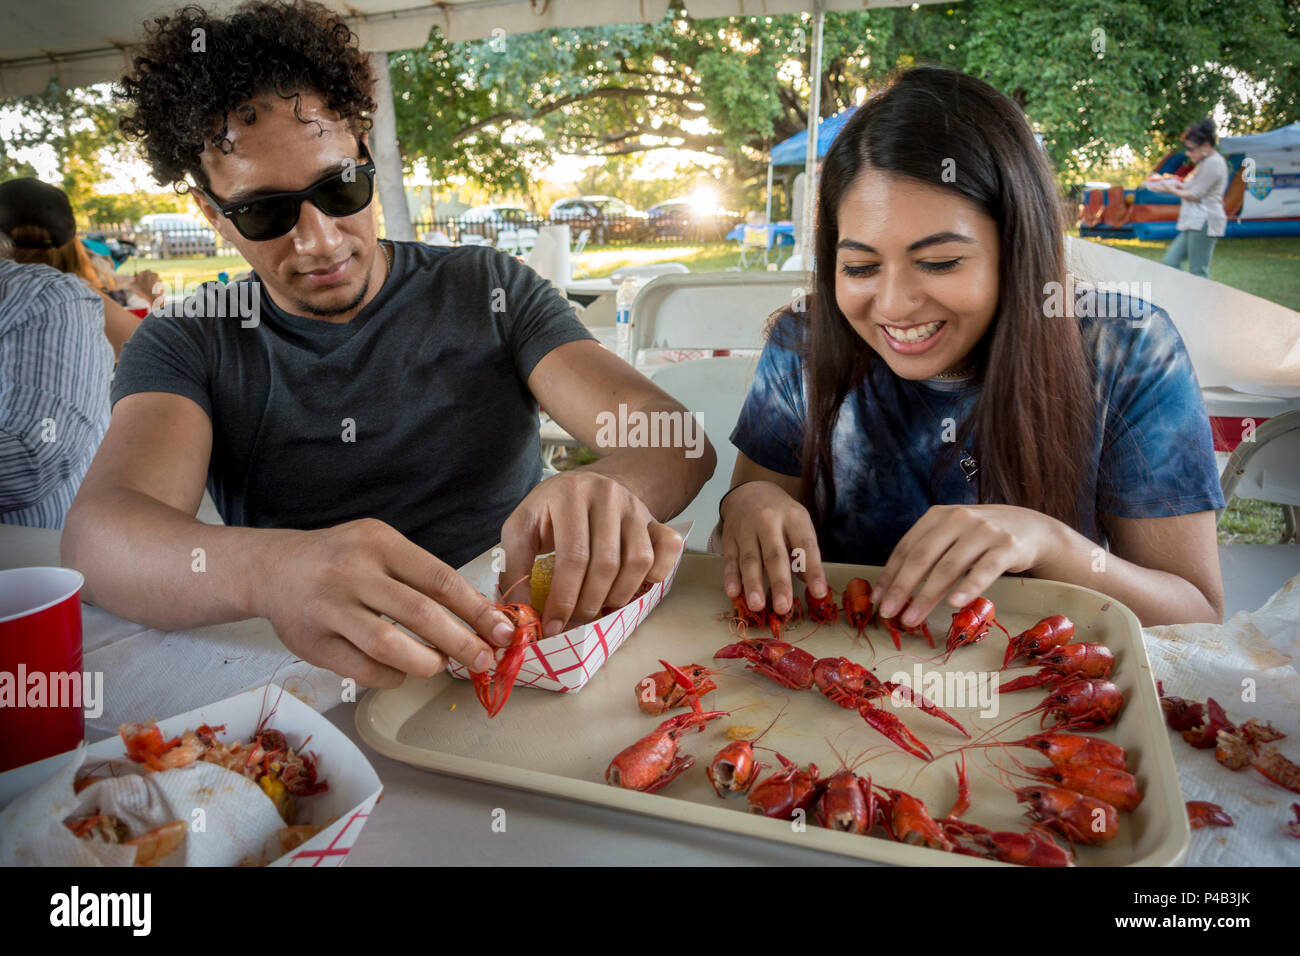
<point x="416" y="412"/>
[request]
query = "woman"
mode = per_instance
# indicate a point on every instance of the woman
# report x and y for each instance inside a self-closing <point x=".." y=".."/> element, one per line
<point x="1201" y="219"/>
<point x="936" y="410"/>
<point x="38" y="219"/>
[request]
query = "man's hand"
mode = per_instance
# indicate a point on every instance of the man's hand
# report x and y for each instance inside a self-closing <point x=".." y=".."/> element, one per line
<point x="325" y="591"/>
<point x="605" y="540"/>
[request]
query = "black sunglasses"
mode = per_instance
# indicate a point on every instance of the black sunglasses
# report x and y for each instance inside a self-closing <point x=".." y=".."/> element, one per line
<point x="345" y="193"/>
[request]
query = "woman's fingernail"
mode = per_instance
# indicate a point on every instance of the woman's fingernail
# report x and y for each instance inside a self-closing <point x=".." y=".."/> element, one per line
<point x="552" y="628"/>
<point x="961" y="599"/>
<point x="483" y="661"/>
<point x="503" y="634"/>
<point x="888" y="607"/>
<point x="819" y="588"/>
<point x="911" y="619"/>
<point x="755" y="600"/>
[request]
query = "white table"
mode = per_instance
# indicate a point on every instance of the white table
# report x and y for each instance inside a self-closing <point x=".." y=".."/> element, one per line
<point x="425" y="818"/>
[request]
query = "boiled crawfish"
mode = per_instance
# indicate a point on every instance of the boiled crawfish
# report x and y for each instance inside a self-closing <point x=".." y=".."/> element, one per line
<point x="1048" y="633"/>
<point x="970" y="625"/>
<point x="492" y="687"/>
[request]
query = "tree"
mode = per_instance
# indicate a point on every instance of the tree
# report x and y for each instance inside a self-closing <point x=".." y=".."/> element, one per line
<point x="79" y="125"/>
<point x="497" y="111"/>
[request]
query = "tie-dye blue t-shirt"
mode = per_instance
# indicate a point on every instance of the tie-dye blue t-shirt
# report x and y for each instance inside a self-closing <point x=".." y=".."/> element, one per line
<point x="1152" y="456"/>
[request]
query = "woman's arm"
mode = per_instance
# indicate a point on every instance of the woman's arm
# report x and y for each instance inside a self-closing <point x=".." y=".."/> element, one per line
<point x="119" y="324"/>
<point x="1165" y="569"/>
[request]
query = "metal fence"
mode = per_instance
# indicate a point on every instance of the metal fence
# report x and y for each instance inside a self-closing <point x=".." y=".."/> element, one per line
<point x="512" y="234"/>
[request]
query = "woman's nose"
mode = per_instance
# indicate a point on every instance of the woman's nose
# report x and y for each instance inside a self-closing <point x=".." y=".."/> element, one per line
<point x="896" y="295"/>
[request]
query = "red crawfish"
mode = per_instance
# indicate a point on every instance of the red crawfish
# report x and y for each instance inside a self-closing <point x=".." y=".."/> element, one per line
<point x="970" y="625"/>
<point x="822" y="610"/>
<point x="1024" y="849"/>
<point x="908" y="821"/>
<point x="777" y="623"/>
<point x="1082" y="703"/>
<point x="1202" y="814"/>
<point x="1205" y="734"/>
<point x="652" y="762"/>
<point x="857" y="604"/>
<point x="492" y="687"/>
<point x="853" y="687"/>
<point x="1061" y="663"/>
<point x="848" y="803"/>
<point x="1283" y="772"/>
<point x="784" y="663"/>
<point x="782" y="793"/>
<point x="1116" y="787"/>
<point x="1066" y="749"/>
<point x="733" y="769"/>
<point x="742" y="617"/>
<point x="895" y="627"/>
<point x="1078" y="818"/>
<point x="1048" y="633"/>
<point x="658" y="692"/>
<point x="841" y="679"/>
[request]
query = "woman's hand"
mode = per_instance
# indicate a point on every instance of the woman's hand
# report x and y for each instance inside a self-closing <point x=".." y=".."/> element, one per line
<point x="963" y="549"/>
<point x="761" y="526"/>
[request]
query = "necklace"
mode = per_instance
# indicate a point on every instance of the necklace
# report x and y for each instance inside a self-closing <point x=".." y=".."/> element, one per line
<point x="963" y="372"/>
<point x="968" y="464"/>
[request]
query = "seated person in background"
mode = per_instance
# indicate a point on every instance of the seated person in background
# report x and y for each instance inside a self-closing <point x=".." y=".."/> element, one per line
<point x="365" y="413"/>
<point x="55" y="368"/>
<point x="947" y="408"/>
<point x="38" y="219"/>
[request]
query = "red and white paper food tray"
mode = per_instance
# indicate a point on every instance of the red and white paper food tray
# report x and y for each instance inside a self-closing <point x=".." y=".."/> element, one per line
<point x="354" y="787"/>
<point x="567" y="661"/>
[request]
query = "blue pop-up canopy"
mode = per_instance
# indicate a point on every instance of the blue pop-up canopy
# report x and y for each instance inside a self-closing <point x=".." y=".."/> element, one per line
<point x="794" y="150"/>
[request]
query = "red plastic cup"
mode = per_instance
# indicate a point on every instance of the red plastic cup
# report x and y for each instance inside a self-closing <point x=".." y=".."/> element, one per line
<point x="40" y="650"/>
<point x="139" y="313"/>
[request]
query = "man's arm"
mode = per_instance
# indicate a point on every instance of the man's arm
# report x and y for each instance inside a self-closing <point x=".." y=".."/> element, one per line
<point x="582" y="385"/>
<point x="604" y="520"/>
<point x="133" y="535"/>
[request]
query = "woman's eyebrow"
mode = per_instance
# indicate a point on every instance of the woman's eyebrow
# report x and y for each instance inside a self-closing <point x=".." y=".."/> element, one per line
<point x="934" y="240"/>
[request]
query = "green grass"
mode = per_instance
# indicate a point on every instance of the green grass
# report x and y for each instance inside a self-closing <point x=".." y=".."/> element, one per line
<point x="1268" y="267"/>
<point x="188" y="271"/>
<point x="1251" y="522"/>
<point x="599" y="261"/>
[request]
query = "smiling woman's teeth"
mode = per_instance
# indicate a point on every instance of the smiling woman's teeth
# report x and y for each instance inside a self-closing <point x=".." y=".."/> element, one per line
<point x="917" y="333"/>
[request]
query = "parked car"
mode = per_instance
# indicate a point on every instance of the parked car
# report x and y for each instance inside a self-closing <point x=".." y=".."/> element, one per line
<point x="608" y="218"/>
<point x="491" y="220"/>
<point x="681" y="218"/>
<point x="164" y="235"/>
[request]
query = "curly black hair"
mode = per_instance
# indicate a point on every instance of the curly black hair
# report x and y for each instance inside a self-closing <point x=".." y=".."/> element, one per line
<point x="185" y="83"/>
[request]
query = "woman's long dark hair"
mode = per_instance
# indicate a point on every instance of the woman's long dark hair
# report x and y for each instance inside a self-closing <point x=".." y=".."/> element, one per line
<point x="1032" y="425"/>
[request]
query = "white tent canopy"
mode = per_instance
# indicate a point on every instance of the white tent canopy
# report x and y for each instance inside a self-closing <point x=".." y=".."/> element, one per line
<point x="80" y="42"/>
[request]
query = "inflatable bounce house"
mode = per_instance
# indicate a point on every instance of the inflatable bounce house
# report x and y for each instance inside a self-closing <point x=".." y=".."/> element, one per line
<point x="1262" y="198"/>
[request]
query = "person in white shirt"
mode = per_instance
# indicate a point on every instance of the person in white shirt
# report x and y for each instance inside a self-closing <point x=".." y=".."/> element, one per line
<point x="1201" y="220"/>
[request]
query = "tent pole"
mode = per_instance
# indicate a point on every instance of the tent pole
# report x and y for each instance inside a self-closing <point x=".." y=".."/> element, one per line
<point x="387" y="154"/>
<point x="805" y="243"/>
<point x="768" y="220"/>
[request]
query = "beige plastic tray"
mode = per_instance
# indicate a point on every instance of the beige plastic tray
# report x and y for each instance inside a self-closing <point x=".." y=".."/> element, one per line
<point x="560" y="744"/>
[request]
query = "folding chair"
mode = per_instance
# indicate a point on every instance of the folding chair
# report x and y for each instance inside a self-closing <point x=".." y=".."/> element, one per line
<point x="1268" y="469"/>
<point x="581" y="243"/>
<point x="710" y="310"/>
<point x="716" y="389"/>
<point x="753" y="242"/>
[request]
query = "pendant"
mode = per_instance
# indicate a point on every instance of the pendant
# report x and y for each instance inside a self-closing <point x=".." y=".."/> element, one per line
<point x="969" y="467"/>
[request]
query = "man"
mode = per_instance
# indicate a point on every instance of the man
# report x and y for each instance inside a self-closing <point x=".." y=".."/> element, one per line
<point x="55" y="365"/>
<point x="370" y="422"/>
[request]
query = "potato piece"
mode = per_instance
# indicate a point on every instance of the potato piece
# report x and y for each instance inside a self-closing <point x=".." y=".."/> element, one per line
<point x="539" y="582"/>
